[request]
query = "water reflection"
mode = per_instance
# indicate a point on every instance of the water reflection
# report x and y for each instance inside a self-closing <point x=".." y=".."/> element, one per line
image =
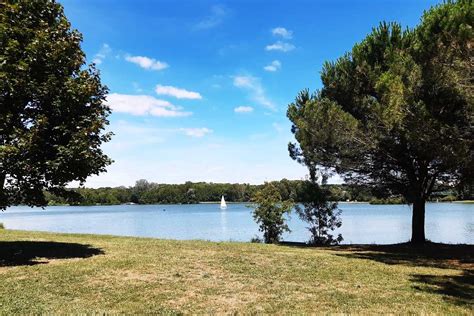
<point x="224" y="223"/>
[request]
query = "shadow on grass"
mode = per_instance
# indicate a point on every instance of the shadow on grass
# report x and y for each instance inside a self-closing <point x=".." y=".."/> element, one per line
<point x="430" y="254"/>
<point x="457" y="289"/>
<point x="444" y="256"/>
<point x="19" y="253"/>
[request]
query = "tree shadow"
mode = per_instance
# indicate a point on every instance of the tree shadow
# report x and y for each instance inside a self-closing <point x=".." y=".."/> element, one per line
<point x="456" y="289"/>
<point x="20" y="253"/>
<point x="444" y="256"/>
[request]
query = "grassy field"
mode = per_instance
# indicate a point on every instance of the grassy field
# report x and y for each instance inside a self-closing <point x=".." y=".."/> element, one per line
<point x="61" y="273"/>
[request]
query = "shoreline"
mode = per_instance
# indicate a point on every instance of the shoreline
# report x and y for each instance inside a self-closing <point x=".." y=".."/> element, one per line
<point x="299" y="244"/>
<point x="250" y="203"/>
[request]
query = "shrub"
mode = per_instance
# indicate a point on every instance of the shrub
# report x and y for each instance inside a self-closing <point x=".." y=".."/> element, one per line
<point x="256" y="240"/>
<point x="269" y="213"/>
<point x="322" y="215"/>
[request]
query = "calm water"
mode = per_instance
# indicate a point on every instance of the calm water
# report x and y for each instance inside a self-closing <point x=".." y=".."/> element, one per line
<point x="362" y="223"/>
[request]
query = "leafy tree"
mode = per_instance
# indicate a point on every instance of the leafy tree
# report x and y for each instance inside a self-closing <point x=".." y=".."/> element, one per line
<point x="322" y="215"/>
<point x="270" y="211"/>
<point x="191" y="196"/>
<point x="396" y="113"/>
<point x="52" y="113"/>
<point x="141" y="187"/>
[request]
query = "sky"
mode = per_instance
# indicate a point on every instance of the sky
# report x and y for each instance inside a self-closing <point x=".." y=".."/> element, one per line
<point x="199" y="89"/>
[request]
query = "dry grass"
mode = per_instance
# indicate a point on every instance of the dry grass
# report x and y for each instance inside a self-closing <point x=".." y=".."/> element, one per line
<point x="60" y="273"/>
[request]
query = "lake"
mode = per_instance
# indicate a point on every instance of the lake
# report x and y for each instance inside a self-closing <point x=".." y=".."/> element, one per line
<point x="362" y="223"/>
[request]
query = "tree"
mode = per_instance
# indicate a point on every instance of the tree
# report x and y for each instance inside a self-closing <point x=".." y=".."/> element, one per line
<point x="322" y="215"/>
<point x="269" y="213"/>
<point x="396" y="113"/>
<point x="52" y="113"/>
<point x="191" y="196"/>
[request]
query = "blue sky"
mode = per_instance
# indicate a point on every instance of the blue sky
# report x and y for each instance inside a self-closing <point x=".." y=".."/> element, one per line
<point x="199" y="89"/>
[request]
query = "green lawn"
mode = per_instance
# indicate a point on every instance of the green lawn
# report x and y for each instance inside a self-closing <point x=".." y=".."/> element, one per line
<point x="61" y="273"/>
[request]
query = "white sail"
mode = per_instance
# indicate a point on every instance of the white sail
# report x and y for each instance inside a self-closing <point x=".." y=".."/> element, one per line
<point x="223" y="204"/>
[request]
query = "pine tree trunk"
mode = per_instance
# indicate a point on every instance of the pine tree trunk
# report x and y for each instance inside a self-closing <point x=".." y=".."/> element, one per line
<point x="418" y="222"/>
<point x="3" y="202"/>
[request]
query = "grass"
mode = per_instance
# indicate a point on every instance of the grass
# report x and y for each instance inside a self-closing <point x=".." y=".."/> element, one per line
<point x="65" y="273"/>
<point x="465" y="201"/>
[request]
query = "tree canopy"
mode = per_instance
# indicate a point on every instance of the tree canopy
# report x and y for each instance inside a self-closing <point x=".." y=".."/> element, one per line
<point x="396" y="112"/>
<point x="52" y="114"/>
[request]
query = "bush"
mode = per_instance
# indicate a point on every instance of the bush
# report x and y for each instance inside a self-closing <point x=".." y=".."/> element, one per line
<point x="322" y="215"/>
<point x="256" y="240"/>
<point x="269" y="213"/>
<point x="2" y="226"/>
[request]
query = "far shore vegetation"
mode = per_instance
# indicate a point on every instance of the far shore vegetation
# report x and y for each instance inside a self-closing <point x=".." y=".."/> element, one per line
<point x="145" y="192"/>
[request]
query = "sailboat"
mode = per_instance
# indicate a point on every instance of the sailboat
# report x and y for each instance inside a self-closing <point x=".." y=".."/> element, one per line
<point x="223" y="204"/>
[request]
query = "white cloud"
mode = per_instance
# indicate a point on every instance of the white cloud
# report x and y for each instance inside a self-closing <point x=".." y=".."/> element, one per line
<point x="164" y="112"/>
<point x="196" y="132"/>
<point x="274" y="66"/>
<point x="141" y="105"/>
<point x="147" y="63"/>
<point x="243" y="109"/>
<point x="280" y="46"/>
<point x="218" y="13"/>
<point x="243" y="81"/>
<point x="253" y="85"/>
<point x="102" y="54"/>
<point x="177" y="92"/>
<point x="283" y="32"/>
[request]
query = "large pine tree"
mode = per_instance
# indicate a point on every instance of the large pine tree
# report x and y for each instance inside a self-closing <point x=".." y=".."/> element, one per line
<point x="397" y="111"/>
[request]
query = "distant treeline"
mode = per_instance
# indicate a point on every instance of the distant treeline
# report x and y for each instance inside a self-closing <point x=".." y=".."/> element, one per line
<point x="144" y="192"/>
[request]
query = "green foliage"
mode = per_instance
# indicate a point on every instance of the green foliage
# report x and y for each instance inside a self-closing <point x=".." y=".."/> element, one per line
<point x="448" y="198"/>
<point x="345" y="192"/>
<point x="256" y="240"/>
<point x="390" y="200"/>
<point x="466" y="190"/>
<point x="189" y="192"/>
<point x="2" y="226"/>
<point x="322" y="215"/>
<point x="52" y="112"/>
<point x="270" y="213"/>
<point x="145" y="192"/>
<point x="396" y="113"/>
